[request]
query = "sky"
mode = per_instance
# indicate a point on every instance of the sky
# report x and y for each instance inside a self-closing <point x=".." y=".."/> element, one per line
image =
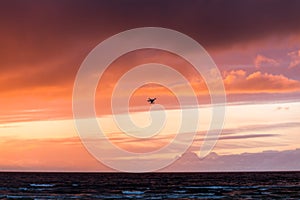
<point x="255" y="45"/>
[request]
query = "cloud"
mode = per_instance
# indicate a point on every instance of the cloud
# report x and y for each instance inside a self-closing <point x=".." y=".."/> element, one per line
<point x="237" y="81"/>
<point x="39" y="57"/>
<point x="73" y="31"/>
<point x="246" y="136"/>
<point x="260" y="127"/>
<point x="41" y="154"/>
<point x="62" y="154"/>
<point x="201" y="19"/>
<point x="295" y="59"/>
<point x="263" y="161"/>
<point x="151" y="144"/>
<point x="284" y="108"/>
<point x="263" y="61"/>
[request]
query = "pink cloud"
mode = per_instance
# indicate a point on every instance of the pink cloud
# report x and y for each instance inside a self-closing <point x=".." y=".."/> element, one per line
<point x="295" y="59"/>
<point x="263" y="161"/>
<point x="261" y="61"/>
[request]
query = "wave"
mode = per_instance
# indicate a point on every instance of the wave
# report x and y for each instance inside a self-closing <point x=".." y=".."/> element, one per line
<point x="133" y="192"/>
<point x="41" y="185"/>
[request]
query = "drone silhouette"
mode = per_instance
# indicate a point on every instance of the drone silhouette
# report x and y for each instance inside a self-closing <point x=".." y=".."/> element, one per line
<point x="151" y="101"/>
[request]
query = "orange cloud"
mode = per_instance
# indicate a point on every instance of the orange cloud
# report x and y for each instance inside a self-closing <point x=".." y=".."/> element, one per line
<point x="47" y="155"/>
<point x="237" y="81"/>
<point x="128" y="61"/>
<point x="46" y="89"/>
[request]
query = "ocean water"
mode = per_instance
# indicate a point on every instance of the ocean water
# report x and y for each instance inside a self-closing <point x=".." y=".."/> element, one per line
<point x="254" y="185"/>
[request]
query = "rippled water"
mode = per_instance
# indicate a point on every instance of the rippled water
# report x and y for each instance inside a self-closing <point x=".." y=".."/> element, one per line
<point x="264" y="185"/>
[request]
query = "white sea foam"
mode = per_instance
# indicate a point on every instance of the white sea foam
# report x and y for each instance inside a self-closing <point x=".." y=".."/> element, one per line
<point x="23" y="188"/>
<point x="180" y="191"/>
<point x="133" y="192"/>
<point x="41" y="185"/>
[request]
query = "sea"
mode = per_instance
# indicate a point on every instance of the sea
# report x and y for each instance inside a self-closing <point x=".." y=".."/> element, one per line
<point x="237" y="185"/>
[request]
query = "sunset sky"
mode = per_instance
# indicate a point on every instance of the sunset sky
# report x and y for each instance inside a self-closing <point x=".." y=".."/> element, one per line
<point x="255" y="45"/>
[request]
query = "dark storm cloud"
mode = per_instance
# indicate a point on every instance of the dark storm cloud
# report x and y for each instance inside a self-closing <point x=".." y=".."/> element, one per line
<point x="214" y="22"/>
<point x="35" y="33"/>
<point x="217" y="22"/>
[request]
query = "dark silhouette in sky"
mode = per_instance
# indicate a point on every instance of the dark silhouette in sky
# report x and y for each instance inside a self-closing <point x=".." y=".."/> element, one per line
<point x="151" y="101"/>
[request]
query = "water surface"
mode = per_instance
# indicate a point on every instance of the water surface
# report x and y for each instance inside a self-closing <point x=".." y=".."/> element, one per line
<point x="254" y="185"/>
